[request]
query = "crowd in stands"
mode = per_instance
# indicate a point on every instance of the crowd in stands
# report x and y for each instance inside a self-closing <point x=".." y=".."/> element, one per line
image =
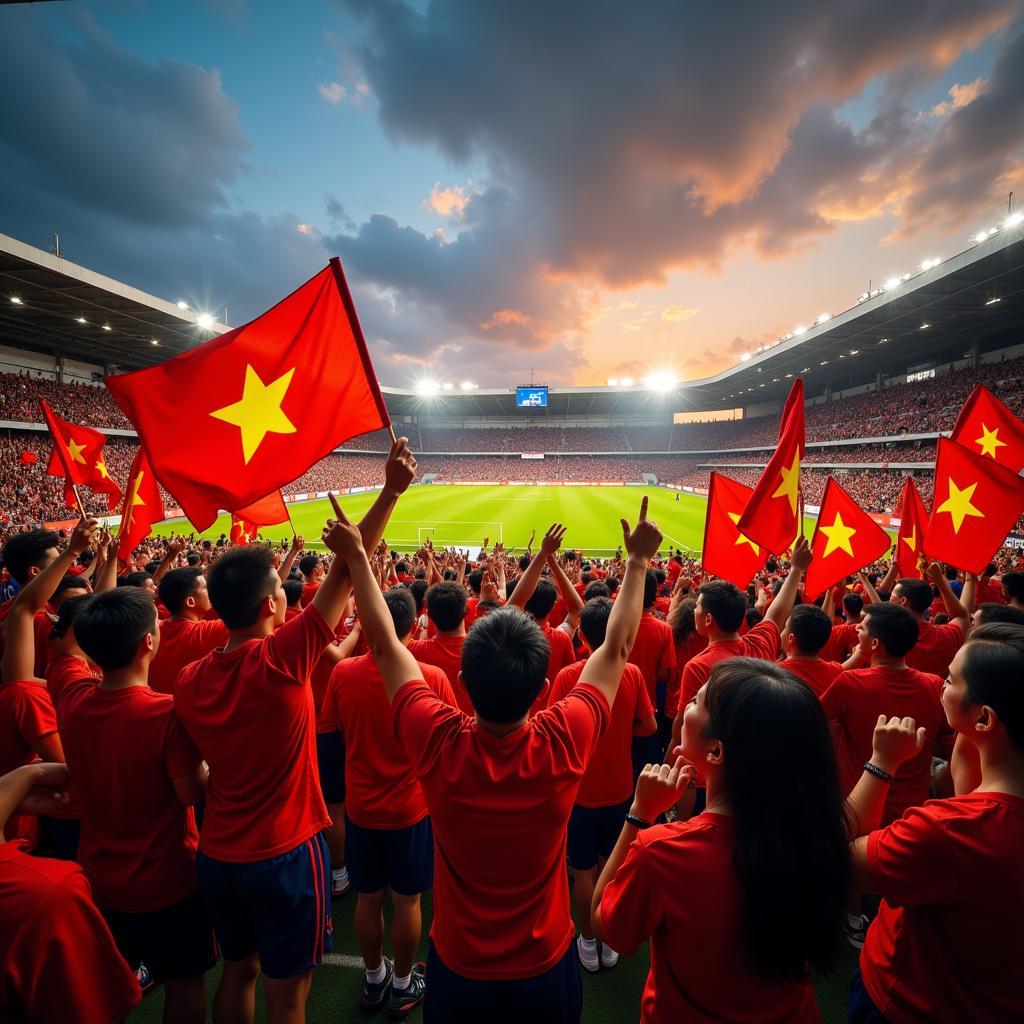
<point x="75" y="401"/>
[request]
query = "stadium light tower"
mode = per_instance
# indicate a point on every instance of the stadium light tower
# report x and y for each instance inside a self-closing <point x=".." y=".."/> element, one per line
<point x="427" y="388"/>
<point x="205" y="320"/>
<point x="661" y="380"/>
<point x="182" y="304"/>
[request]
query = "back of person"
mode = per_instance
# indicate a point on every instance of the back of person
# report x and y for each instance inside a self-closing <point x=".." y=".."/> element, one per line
<point x="654" y="653"/>
<point x="817" y="674"/>
<point x="182" y="642"/>
<point x="445" y="652"/>
<point x="935" y="648"/>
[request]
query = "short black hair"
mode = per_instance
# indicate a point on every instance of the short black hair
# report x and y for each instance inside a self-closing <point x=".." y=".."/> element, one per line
<point x="176" y="587"/>
<point x="596" y="589"/>
<point x="650" y="588"/>
<point x="308" y="564"/>
<point x="895" y="627"/>
<point x="418" y="589"/>
<point x="1013" y="584"/>
<point x="724" y="602"/>
<point x="151" y="567"/>
<point x="403" y="610"/>
<point x="475" y="580"/>
<point x="293" y="589"/>
<point x="594" y="621"/>
<point x="853" y="604"/>
<point x="66" y="583"/>
<point x="992" y="667"/>
<point x="446" y="605"/>
<point x="193" y="559"/>
<point x="110" y="626"/>
<point x="134" y="579"/>
<point x="27" y="549"/>
<point x="239" y="581"/>
<point x="524" y="562"/>
<point x="66" y="615"/>
<point x="504" y="664"/>
<point x="810" y="627"/>
<point x="992" y="611"/>
<point x="542" y="600"/>
<point x="918" y="594"/>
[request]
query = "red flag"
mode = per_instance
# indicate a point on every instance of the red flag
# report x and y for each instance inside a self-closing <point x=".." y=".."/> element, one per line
<point x="75" y="448"/>
<point x="845" y="540"/>
<point x="975" y="505"/>
<point x="986" y="427"/>
<point x="727" y="552"/>
<point x="772" y="516"/>
<point x="101" y="482"/>
<point x="143" y="506"/>
<point x="267" y="511"/>
<point x="28" y="458"/>
<point x="243" y="531"/>
<point x="910" y="536"/>
<point x="232" y="420"/>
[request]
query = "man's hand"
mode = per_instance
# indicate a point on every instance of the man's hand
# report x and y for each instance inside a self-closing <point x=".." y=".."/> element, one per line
<point x="341" y="536"/>
<point x="48" y="793"/>
<point x="802" y="555"/>
<point x="552" y="539"/>
<point x="489" y="589"/>
<point x="298" y="542"/>
<point x="400" y="469"/>
<point x="935" y="572"/>
<point x="895" y="740"/>
<point x="83" y="534"/>
<point x="643" y="541"/>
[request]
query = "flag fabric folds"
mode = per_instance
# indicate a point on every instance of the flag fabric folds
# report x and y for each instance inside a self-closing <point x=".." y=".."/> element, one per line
<point x="910" y="536"/>
<point x="845" y="540"/>
<point x="143" y="506"/>
<point x="727" y="552"/>
<point x="28" y="458"/>
<point x="987" y="427"/>
<point x="236" y="418"/>
<point x="243" y="531"/>
<point x="772" y="516"/>
<point x="976" y="502"/>
<point x="78" y="457"/>
<point x="267" y="511"/>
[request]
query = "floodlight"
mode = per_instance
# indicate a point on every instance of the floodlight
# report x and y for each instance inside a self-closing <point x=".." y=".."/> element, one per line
<point x="427" y="388"/>
<point x="744" y="357"/>
<point x="153" y="341"/>
<point x="799" y="330"/>
<point x="660" y="380"/>
<point x="106" y="327"/>
<point x="447" y="385"/>
<point x="626" y="382"/>
<point x="824" y="318"/>
<point x="892" y="282"/>
<point x="204" y="320"/>
<point x="15" y="300"/>
<point x="993" y="301"/>
<point x="182" y="304"/>
<point x="467" y="385"/>
<point x="1013" y="220"/>
<point x="924" y="327"/>
<point x="613" y="382"/>
<point x="81" y="320"/>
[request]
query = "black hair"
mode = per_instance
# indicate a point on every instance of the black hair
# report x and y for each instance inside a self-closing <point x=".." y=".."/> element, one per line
<point x="895" y="627"/>
<point x="853" y="605"/>
<point x="596" y="589"/>
<point x="1013" y="584"/>
<point x="110" y="626"/>
<point x="542" y="600"/>
<point x="403" y="610"/>
<point x="594" y="621"/>
<point x="446" y="605"/>
<point x="66" y="615"/>
<point x="504" y="664"/>
<point x="176" y="587"/>
<point x="475" y="580"/>
<point x="402" y="566"/>
<point x="650" y="588"/>
<point x="811" y="628"/>
<point x="753" y="616"/>
<point x="28" y="549"/>
<point x="724" y="602"/>
<point x="193" y="559"/>
<point x="918" y="594"/>
<point x="612" y="583"/>
<point x="940" y="619"/>
<point x="682" y="620"/>
<point x="293" y="589"/>
<point x="418" y="589"/>
<point x="992" y="667"/>
<point x="951" y="573"/>
<point x="239" y="581"/>
<point x="151" y="567"/>
<point x="792" y="849"/>
<point x="524" y="562"/>
<point x="66" y="583"/>
<point x="134" y="579"/>
<point x="308" y="564"/>
<point x="992" y="611"/>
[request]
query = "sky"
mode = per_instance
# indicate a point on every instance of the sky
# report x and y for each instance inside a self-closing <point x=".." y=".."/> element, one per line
<point x="581" y="191"/>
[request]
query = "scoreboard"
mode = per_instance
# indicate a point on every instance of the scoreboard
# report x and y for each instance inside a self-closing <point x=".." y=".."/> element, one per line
<point x="532" y="397"/>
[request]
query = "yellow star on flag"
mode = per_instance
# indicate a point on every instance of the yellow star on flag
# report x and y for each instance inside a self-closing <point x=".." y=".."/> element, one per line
<point x="75" y="451"/>
<point x="989" y="441"/>
<point x="103" y="469"/>
<point x="258" y="412"/>
<point x="790" y="481"/>
<point x="838" y="535"/>
<point x="959" y="506"/>
<point x="741" y="539"/>
<point x="911" y="541"/>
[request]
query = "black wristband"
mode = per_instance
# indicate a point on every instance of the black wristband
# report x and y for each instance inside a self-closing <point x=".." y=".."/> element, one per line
<point x="879" y="773"/>
<point x="633" y="820"/>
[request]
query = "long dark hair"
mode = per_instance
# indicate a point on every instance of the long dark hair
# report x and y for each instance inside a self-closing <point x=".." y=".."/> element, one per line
<point x="683" y="619"/>
<point x="792" y="840"/>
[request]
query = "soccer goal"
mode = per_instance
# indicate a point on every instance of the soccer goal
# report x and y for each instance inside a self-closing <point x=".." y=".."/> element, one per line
<point x="468" y="534"/>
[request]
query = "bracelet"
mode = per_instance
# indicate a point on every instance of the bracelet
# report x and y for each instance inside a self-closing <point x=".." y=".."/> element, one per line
<point x="879" y="773"/>
<point x="636" y="822"/>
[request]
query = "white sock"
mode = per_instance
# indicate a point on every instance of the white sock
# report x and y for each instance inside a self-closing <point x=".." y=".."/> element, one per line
<point x="590" y="945"/>
<point x="401" y="983"/>
<point x="378" y="974"/>
<point x="339" y="874"/>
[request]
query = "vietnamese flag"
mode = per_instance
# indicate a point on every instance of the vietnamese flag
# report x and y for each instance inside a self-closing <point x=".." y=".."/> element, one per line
<point x="727" y="552"/>
<point x="845" y="540"/>
<point x="143" y="506"/>
<point x="268" y="511"/>
<point x="242" y="530"/>
<point x="772" y="516"/>
<point x="28" y="458"/>
<point x="910" y="536"/>
<point x="975" y="505"/>
<point x="75" y="448"/>
<point x="101" y="482"/>
<point x="232" y="420"/>
<point x="987" y="427"/>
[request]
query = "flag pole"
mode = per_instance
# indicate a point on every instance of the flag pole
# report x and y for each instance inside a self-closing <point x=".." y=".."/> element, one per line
<point x="800" y="509"/>
<point x="391" y="433"/>
<point x="78" y="499"/>
<point x="290" y="523"/>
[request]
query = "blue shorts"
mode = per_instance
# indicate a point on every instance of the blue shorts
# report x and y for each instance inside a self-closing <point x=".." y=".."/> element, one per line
<point x="401" y="859"/>
<point x="593" y="833"/>
<point x="860" y="1009"/>
<point x="279" y="908"/>
<point x="644" y="750"/>
<point x="330" y="763"/>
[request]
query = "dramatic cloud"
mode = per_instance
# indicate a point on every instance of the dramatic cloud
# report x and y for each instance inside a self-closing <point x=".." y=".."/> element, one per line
<point x="960" y="96"/>
<point x="447" y="202"/>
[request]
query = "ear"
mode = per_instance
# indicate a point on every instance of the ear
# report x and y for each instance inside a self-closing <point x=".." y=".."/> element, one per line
<point x="716" y="755"/>
<point x="190" y="601"/>
<point x="987" y="720"/>
<point x="33" y="570"/>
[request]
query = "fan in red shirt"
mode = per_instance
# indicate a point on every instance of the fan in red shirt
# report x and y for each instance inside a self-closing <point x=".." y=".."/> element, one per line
<point x="806" y="634"/>
<point x="500" y="789"/>
<point x="68" y="664"/>
<point x="654" y="653"/>
<point x="312" y="570"/>
<point x="947" y="944"/>
<point x="843" y="640"/>
<point x="137" y="775"/>
<point x="604" y="793"/>
<point x="688" y="644"/>
<point x="26" y="555"/>
<point x="446" y="607"/>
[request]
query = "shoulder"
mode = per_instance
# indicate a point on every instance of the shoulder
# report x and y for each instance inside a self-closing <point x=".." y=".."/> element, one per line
<point x="434" y="677"/>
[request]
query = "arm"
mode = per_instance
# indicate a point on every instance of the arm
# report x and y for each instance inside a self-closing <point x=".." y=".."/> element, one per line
<point x="33" y="789"/>
<point x="529" y="580"/>
<point x="870" y="594"/>
<point x="293" y="552"/>
<point x="888" y="581"/>
<point x="174" y="549"/>
<point x="828" y="606"/>
<point x="343" y="649"/>
<point x="779" y="609"/>
<point x="968" y="596"/>
<point x="573" y="601"/>
<point x="191" y="789"/>
<point x="954" y="609"/>
<point x="107" y="578"/>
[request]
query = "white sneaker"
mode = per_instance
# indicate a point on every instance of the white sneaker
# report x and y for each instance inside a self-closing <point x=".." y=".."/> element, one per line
<point x="609" y="958"/>
<point x="590" y="961"/>
<point x="340" y="884"/>
<point x="856" y="930"/>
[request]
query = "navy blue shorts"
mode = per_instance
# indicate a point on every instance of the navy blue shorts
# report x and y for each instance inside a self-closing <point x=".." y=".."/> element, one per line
<point x="554" y="997"/>
<point x="173" y="942"/>
<point x="279" y="908"/>
<point x="593" y="833"/>
<point x="644" y="750"/>
<point x="401" y="859"/>
<point x="330" y="763"/>
<point x="860" y="1009"/>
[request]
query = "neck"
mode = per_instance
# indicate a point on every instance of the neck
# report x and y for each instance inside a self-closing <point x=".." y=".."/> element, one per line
<point x="257" y="631"/>
<point x="800" y="656"/>
<point x="1002" y="770"/>
<point x="717" y="802"/>
<point x="717" y="636"/>
<point x="501" y="728"/>
<point x="186" y="615"/>
<point x="123" y="678"/>
<point x="460" y="630"/>
<point x="887" y="661"/>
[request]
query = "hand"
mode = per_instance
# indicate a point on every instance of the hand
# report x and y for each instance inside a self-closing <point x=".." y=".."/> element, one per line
<point x="802" y="555"/>
<point x="298" y="542"/>
<point x="551" y="540"/>
<point x="400" y="469"/>
<point x="895" y="740"/>
<point x="935" y="572"/>
<point x="659" y="787"/>
<point x="83" y="534"/>
<point x="341" y="536"/>
<point x="483" y="546"/>
<point x="47" y="794"/>
<point x="489" y="589"/>
<point x="642" y="542"/>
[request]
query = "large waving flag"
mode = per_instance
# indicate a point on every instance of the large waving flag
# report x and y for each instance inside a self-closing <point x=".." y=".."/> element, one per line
<point x="246" y="522"/>
<point x="78" y="457"/>
<point x="234" y="419"/>
<point x="143" y="506"/>
<point x="772" y="516"/>
<point x="975" y="505"/>
<point x="727" y="552"/>
<point x="910" y="536"/>
<point x="845" y="540"/>
<point x="987" y="427"/>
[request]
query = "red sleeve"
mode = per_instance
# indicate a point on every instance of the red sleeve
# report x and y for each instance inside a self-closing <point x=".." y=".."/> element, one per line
<point x="667" y="657"/>
<point x="762" y="641"/>
<point x="213" y="633"/>
<point x="34" y="715"/>
<point x="423" y="723"/>
<point x="437" y="679"/>
<point x="952" y="635"/>
<point x="833" y="700"/>
<point x="296" y="647"/>
<point x="577" y="722"/>
<point x="561" y="685"/>
<point x="643" y="709"/>
<point x="631" y="903"/>
<point x="180" y="754"/>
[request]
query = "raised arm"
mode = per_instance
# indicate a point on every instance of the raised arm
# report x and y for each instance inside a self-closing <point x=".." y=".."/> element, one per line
<point x="888" y="581"/>
<point x="954" y="609"/>
<point x="969" y="595"/>
<point x="298" y="543"/>
<point x="175" y="548"/>
<point x="779" y="609"/>
<point x="870" y="594"/>
<point x="528" y="581"/>
<point x="567" y="592"/>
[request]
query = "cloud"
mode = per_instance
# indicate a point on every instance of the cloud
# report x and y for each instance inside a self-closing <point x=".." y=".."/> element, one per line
<point x="333" y="92"/>
<point x="677" y="313"/>
<point x="960" y="96"/>
<point x="447" y="202"/>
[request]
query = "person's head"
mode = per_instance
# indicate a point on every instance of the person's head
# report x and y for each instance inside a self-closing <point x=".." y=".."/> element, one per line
<point x="992" y="611"/>
<point x="888" y="630"/>
<point x="139" y="579"/>
<point x="681" y="619"/>
<point x="807" y="631"/>
<point x="594" y="621"/>
<point x="62" y="636"/>
<point x="151" y="567"/>
<point x="719" y="604"/>
<point x="183" y="591"/>
<point x="753" y="616"/>
<point x="524" y="563"/>
<point x="486" y="607"/>
<point x="119" y="628"/>
<point x="403" y="611"/>
<point x="309" y="566"/>
<point x="402" y="567"/>
<point x="27" y="554"/>
<point x="68" y="587"/>
<point x="542" y="600"/>
<point x="983" y="697"/>
<point x="293" y="589"/>
<point x="791" y="850"/>
<point x="612" y="583"/>
<point x="504" y="665"/>
<point x="245" y="589"/>
<point x="940" y="619"/>
<point x="596" y="589"/>
<point x="650" y="588"/>
<point x="418" y="589"/>
<point x="853" y="605"/>
<point x="192" y="559"/>
<point x="913" y="594"/>
<point x="475" y="580"/>
<point x="1011" y="582"/>
<point x="951" y="573"/>
<point x="446" y="606"/>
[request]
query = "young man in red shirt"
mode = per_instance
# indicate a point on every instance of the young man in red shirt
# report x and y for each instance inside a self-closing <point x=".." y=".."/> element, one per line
<point x="313" y="573"/>
<point x="137" y="775"/>
<point x="26" y="555"/>
<point x="446" y="607"/>
<point x="389" y="844"/>
<point x="805" y="636"/>
<point x="935" y="645"/>
<point x="500" y="789"/>
<point x="654" y="653"/>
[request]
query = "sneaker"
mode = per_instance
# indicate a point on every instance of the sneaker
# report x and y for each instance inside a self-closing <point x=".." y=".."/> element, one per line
<point x="403" y="1001"/>
<point x="374" y="995"/>
<point x="340" y="885"/>
<point x="590" y="961"/>
<point x="856" y="929"/>
<point x="609" y="958"/>
<point x="143" y="977"/>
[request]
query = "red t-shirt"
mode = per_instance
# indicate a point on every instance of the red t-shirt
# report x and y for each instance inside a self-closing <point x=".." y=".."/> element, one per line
<point x="308" y="593"/>
<point x="608" y="779"/>
<point x="499" y="806"/>
<point x="60" y="961"/>
<point x="947" y="944"/>
<point x="381" y="789"/>
<point x="65" y="670"/>
<point x="760" y="642"/>
<point x="123" y="748"/>
<point x="654" y="652"/>
<point x="42" y="624"/>
<point x="854" y="702"/>
<point x="250" y="712"/>
<point x="689" y="648"/>
<point x="699" y="972"/>
<point x="26" y="716"/>
<point x="936" y="648"/>
<point x="446" y="653"/>
<point x="841" y="642"/>
<point x="561" y="656"/>
<point x="182" y="642"/>
<point x="817" y="674"/>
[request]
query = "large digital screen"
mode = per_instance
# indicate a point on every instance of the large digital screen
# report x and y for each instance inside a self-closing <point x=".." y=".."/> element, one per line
<point x="532" y="398"/>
